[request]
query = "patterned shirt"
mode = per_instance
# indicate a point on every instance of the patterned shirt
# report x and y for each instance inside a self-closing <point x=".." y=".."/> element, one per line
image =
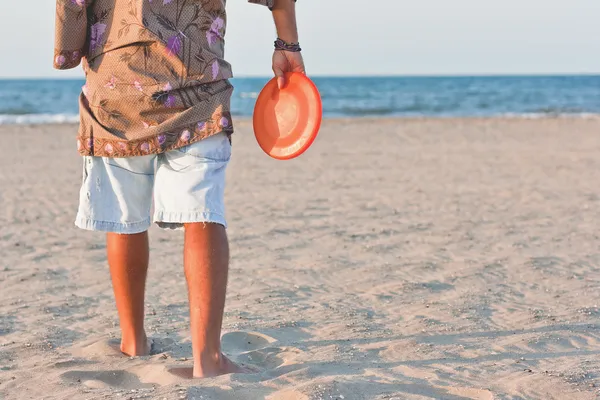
<point x="155" y="74"/>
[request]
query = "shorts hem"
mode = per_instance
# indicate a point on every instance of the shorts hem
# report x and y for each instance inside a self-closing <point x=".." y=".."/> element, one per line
<point x="112" y="227"/>
<point x="175" y="220"/>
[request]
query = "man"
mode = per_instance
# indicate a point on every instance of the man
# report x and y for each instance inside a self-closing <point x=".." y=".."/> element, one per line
<point x="155" y="127"/>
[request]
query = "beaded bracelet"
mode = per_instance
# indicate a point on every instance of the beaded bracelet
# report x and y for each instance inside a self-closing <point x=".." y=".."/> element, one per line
<point x="285" y="46"/>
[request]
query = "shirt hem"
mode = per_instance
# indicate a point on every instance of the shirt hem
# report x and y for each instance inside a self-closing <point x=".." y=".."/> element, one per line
<point x="160" y="143"/>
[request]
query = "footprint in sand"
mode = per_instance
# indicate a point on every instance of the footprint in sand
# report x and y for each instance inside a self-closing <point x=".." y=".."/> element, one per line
<point x="258" y="350"/>
<point x="252" y="350"/>
<point x="103" y="379"/>
<point x="112" y="348"/>
<point x="142" y="373"/>
<point x="73" y="363"/>
<point x="269" y="358"/>
<point x="242" y="342"/>
<point x="249" y="349"/>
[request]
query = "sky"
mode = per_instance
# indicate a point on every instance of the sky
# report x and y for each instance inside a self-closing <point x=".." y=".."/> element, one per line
<point x="353" y="37"/>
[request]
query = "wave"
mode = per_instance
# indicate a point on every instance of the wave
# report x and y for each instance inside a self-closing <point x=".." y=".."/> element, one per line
<point x="433" y="111"/>
<point x="39" y="119"/>
<point x="249" y="95"/>
<point x="541" y="115"/>
<point x="560" y="111"/>
<point x="36" y="119"/>
<point x="365" y="112"/>
<point x="25" y="110"/>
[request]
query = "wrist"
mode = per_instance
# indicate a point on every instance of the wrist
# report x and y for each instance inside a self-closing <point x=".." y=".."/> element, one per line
<point x="284" y="45"/>
<point x="288" y="38"/>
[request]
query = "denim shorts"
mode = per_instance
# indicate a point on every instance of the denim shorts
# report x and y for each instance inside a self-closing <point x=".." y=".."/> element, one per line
<point x="184" y="185"/>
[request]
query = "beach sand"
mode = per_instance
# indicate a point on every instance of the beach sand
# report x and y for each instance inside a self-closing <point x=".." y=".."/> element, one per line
<point x="396" y="259"/>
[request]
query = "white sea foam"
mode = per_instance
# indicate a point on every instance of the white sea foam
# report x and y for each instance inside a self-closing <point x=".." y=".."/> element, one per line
<point x="40" y="119"/>
<point x="36" y="119"/>
<point x="551" y="115"/>
<point x="249" y="95"/>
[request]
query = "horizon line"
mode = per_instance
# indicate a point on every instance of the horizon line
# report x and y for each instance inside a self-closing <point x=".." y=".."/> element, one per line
<point x="456" y="75"/>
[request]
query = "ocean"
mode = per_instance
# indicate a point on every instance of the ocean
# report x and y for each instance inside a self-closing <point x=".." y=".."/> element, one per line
<point x="55" y="101"/>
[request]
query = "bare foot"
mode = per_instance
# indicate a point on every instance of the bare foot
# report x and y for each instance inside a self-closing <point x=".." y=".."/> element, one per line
<point x="138" y="348"/>
<point x="223" y="366"/>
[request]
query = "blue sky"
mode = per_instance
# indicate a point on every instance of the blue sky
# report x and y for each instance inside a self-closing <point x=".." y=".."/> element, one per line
<point x="385" y="37"/>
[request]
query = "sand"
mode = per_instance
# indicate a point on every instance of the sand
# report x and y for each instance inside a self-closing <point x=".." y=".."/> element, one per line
<point x="396" y="259"/>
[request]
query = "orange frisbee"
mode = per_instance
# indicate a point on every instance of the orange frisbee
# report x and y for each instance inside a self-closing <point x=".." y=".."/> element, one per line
<point x="286" y="121"/>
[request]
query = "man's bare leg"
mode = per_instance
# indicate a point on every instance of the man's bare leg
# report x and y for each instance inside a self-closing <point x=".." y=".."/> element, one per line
<point x="128" y="259"/>
<point x="206" y="261"/>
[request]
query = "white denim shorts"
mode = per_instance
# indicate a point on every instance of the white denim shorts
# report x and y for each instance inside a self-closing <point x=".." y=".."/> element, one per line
<point x="184" y="185"/>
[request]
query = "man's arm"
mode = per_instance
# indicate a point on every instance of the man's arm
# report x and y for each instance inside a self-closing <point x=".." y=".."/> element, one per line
<point x="287" y="58"/>
<point x="284" y="15"/>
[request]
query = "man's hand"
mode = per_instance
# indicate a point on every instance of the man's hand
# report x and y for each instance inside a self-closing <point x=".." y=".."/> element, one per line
<point x="284" y="15"/>
<point x="286" y="61"/>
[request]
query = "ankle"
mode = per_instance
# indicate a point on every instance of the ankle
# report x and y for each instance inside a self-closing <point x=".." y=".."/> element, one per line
<point x="210" y="357"/>
<point x="135" y="345"/>
<point x="208" y="362"/>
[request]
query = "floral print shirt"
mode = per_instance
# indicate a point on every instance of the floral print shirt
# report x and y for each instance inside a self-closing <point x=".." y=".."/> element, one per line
<point x="156" y="78"/>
